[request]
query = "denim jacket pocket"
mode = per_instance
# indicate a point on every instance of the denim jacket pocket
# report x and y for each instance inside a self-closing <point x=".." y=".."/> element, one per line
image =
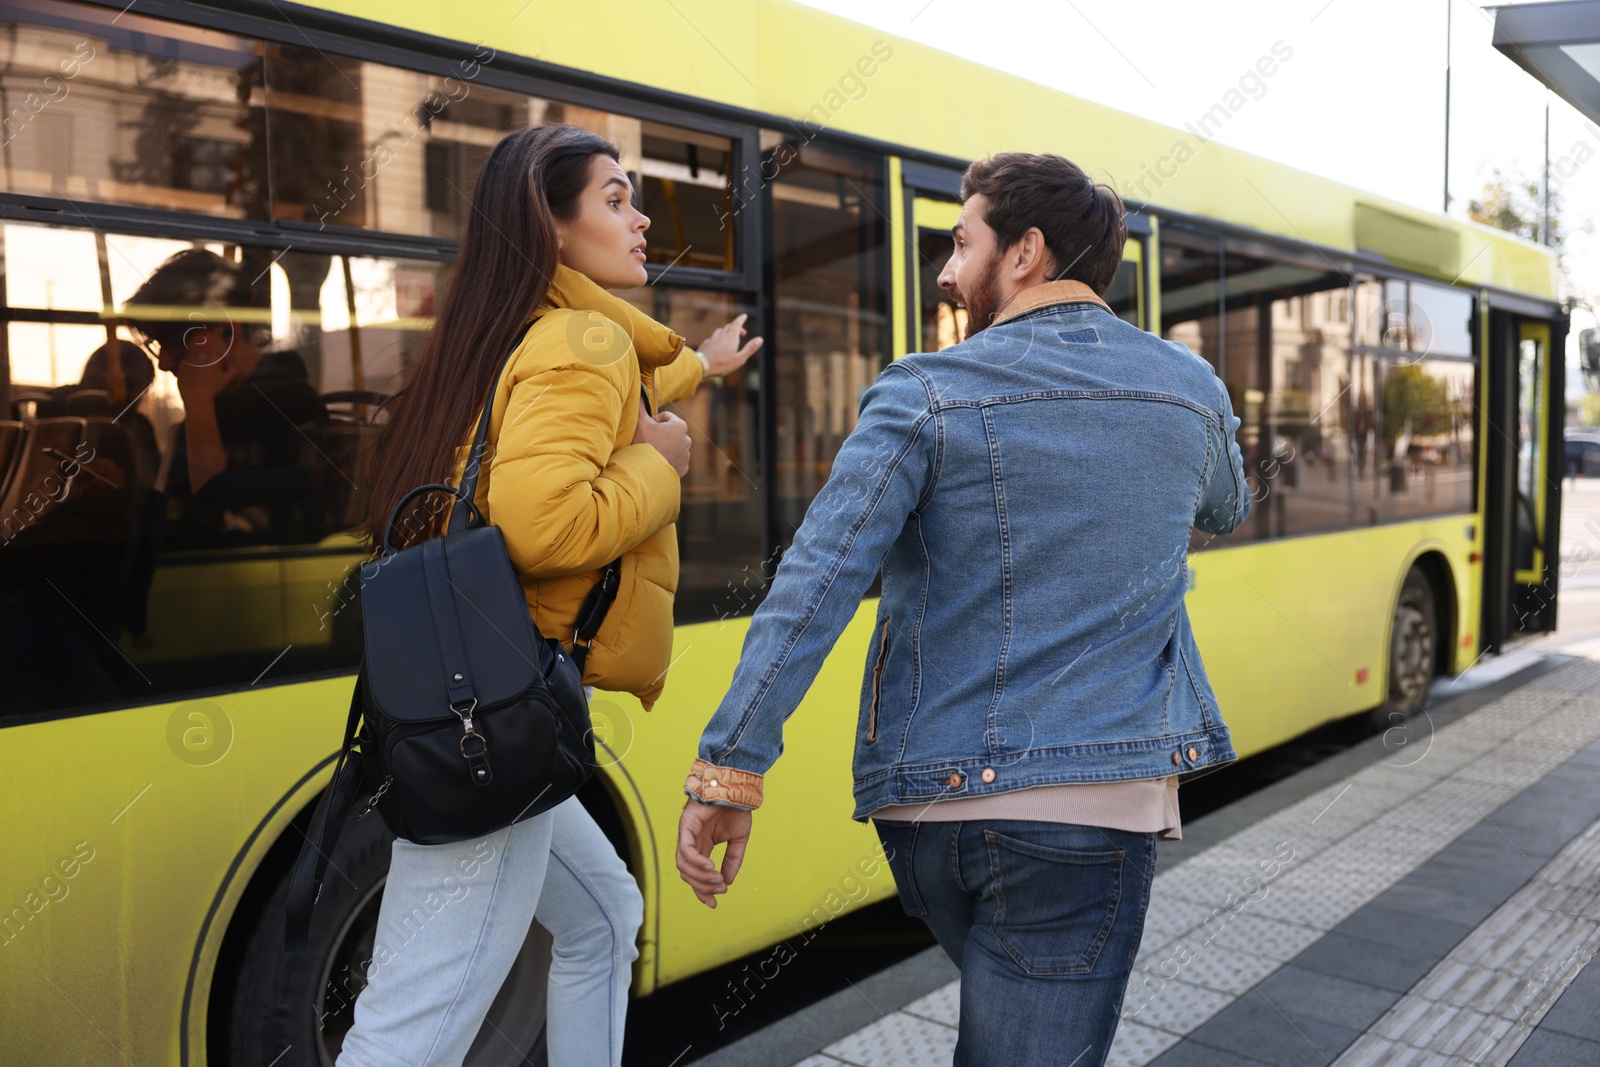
<point x="1055" y="907"/>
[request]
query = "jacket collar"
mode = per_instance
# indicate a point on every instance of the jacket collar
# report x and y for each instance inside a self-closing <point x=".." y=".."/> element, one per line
<point x="1045" y="294"/>
<point x="654" y="344"/>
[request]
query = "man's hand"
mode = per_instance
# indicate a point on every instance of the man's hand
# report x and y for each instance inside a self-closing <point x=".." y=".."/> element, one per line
<point x="722" y="350"/>
<point x="702" y="828"/>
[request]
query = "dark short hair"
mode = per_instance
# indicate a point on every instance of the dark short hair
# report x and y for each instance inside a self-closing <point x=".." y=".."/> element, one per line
<point x="194" y="287"/>
<point x="1084" y="224"/>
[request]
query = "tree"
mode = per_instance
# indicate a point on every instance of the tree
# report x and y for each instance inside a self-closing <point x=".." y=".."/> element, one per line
<point x="1513" y="204"/>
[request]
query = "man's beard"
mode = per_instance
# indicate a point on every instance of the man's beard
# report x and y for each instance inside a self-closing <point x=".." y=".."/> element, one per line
<point x="983" y="303"/>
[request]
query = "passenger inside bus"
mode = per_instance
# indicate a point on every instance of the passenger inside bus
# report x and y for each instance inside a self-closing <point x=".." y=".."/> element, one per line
<point x="244" y="461"/>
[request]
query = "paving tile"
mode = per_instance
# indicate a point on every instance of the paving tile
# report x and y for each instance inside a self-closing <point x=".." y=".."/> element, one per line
<point x="897" y="1040"/>
<point x="1577" y="1013"/>
<point x="1556" y="813"/>
<point x="819" y="1060"/>
<point x="1502" y="769"/>
<point x="1298" y="991"/>
<point x="1227" y="972"/>
<point x="1579" y="900"/>
<point x="1461" y="983"/>
<point x="1407" y="841"/>
<point x="1244" y="932"/>
<point x="1423" y="933"/>
<point x="1269" y="835"/>
<point x="1191" y="1053"/>
<point x="1170" y="915"/>
<point x="1370" y="1050"/>
<point x="943" y="1005"/>
<point x="1526" y="941"/>
<point x="1431" y="901"/>
<point x="1546" y="1048"/>
<point x="1443" y="1028"/>
<point x="1252" y="1026"/>
<point x="1137" y="1044"/>
<point x="1313" y="898"/>
<point x="1384" y="966"/>
<point x="1175" y="1006"/>
<point x="1479" y="870"/>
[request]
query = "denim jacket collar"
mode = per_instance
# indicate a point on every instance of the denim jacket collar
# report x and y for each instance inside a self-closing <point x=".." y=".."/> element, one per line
<point x="1044" y="294"/>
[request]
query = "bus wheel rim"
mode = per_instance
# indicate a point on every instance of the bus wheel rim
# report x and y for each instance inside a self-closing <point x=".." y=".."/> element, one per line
<point x="1413" y="651"/>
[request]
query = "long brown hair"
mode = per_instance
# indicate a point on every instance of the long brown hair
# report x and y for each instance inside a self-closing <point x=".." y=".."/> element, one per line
<point x="503" y="270"/>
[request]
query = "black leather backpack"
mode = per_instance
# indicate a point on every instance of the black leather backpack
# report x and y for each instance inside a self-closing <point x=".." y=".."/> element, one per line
<point x="470" y="719"/>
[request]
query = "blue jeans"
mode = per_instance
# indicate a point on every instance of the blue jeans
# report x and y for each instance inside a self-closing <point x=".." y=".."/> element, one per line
<point x="455" y="916"/>
<point x="1043" y="919"/>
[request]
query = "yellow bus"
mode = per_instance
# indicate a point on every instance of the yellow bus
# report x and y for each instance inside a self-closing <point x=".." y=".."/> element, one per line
<point x="175" y="665"/>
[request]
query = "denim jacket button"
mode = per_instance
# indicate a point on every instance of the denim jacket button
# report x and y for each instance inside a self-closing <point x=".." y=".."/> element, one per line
<point x="988" y="774"/>
<point x="955" y="780"/>
<point x="1177" y="759"/>
<point x="1194" y="755"/>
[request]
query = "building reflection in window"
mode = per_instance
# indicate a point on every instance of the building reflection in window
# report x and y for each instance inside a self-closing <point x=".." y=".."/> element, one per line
<point x="720" y="522"/>
<point x="830" y="339"/>
<point x="118" y="108"/>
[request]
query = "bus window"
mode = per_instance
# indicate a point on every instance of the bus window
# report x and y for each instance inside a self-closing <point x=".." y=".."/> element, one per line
<point x="720" y="549"/>
<point x="1417" y="338"/>
<point x="1441" y="320"/>
<point x="1191" y="275"/>
<point x="142" y="112"/>
<point x="1289" y="361"/>
<point x="144" y="557"/>
<point x="1530" y="436"/>
<point x="943" y="324"/>
<point x="1426" y="440"/>
<point x="1123" y="294"/>
<point x="362" y="144"/>
<point x="831" y="337"/>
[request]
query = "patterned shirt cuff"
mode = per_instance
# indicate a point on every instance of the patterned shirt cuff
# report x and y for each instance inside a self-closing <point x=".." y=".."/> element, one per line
<point x="726" y="786"/>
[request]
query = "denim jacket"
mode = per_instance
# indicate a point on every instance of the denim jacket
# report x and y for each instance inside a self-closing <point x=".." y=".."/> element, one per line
<point x="1028" y="495"/>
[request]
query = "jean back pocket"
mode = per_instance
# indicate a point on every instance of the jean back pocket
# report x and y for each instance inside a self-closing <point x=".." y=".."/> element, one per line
<point x="1055" y="907"/>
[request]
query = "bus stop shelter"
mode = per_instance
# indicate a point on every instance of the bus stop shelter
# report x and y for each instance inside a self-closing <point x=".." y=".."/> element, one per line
<point x="1559" y="44"/>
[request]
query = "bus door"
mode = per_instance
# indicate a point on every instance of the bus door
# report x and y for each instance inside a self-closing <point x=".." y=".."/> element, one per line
<point x="1523" y="403"/>
<point x="940" y="324"/>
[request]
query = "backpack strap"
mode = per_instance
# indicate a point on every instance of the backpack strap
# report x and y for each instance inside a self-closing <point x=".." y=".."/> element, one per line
<point x="469" y="473"/>
<point x="305" y="880"/>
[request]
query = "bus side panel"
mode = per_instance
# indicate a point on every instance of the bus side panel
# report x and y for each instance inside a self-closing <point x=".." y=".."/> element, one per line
<point x="808" y="861"/>
<point x="135" y="818"/>
<point x="1294" y="633"/>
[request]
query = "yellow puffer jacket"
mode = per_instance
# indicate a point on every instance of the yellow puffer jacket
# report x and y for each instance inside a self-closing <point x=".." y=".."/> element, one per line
<point x="571" y="492"/>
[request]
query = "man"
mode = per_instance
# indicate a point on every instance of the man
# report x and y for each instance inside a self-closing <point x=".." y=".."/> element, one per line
<point x="242" y="458"/>
<point x="1032" y="688"/>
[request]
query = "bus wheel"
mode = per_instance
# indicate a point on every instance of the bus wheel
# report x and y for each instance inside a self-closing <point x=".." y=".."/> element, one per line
<point x="1413" y="652"/>
<point x="293" y="1009"/>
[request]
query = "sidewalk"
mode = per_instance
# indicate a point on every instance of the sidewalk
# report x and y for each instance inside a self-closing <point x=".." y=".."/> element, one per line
<point x="1426" y="897"/>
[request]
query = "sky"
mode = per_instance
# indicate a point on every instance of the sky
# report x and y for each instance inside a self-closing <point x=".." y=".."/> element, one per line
<point x="1362" y="101"/>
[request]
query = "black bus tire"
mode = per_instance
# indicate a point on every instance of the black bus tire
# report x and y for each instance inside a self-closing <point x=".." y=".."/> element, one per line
<point x="1413" y="652"/>
<point x="280" y="997"/>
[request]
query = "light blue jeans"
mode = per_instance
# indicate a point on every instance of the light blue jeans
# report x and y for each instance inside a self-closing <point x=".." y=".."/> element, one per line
<point x="453" y="919"/>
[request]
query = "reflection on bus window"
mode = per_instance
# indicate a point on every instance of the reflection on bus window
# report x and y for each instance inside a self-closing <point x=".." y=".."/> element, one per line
<point x="1347" y="418"/>
<point x="139" y="111"/>
<point x="1530" y="377"/>
<point x="831" y="335"/>
<point x="1122" y="296"/>
<point x="1191" y="274"/>
<point x="720" y="550"/>
<point x="163" y="532"/>
<point x="943" y="324"/>
<point x="366" y="145"/>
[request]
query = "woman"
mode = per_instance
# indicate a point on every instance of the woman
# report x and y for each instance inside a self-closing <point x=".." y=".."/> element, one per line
<point x="577" y="473"/>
